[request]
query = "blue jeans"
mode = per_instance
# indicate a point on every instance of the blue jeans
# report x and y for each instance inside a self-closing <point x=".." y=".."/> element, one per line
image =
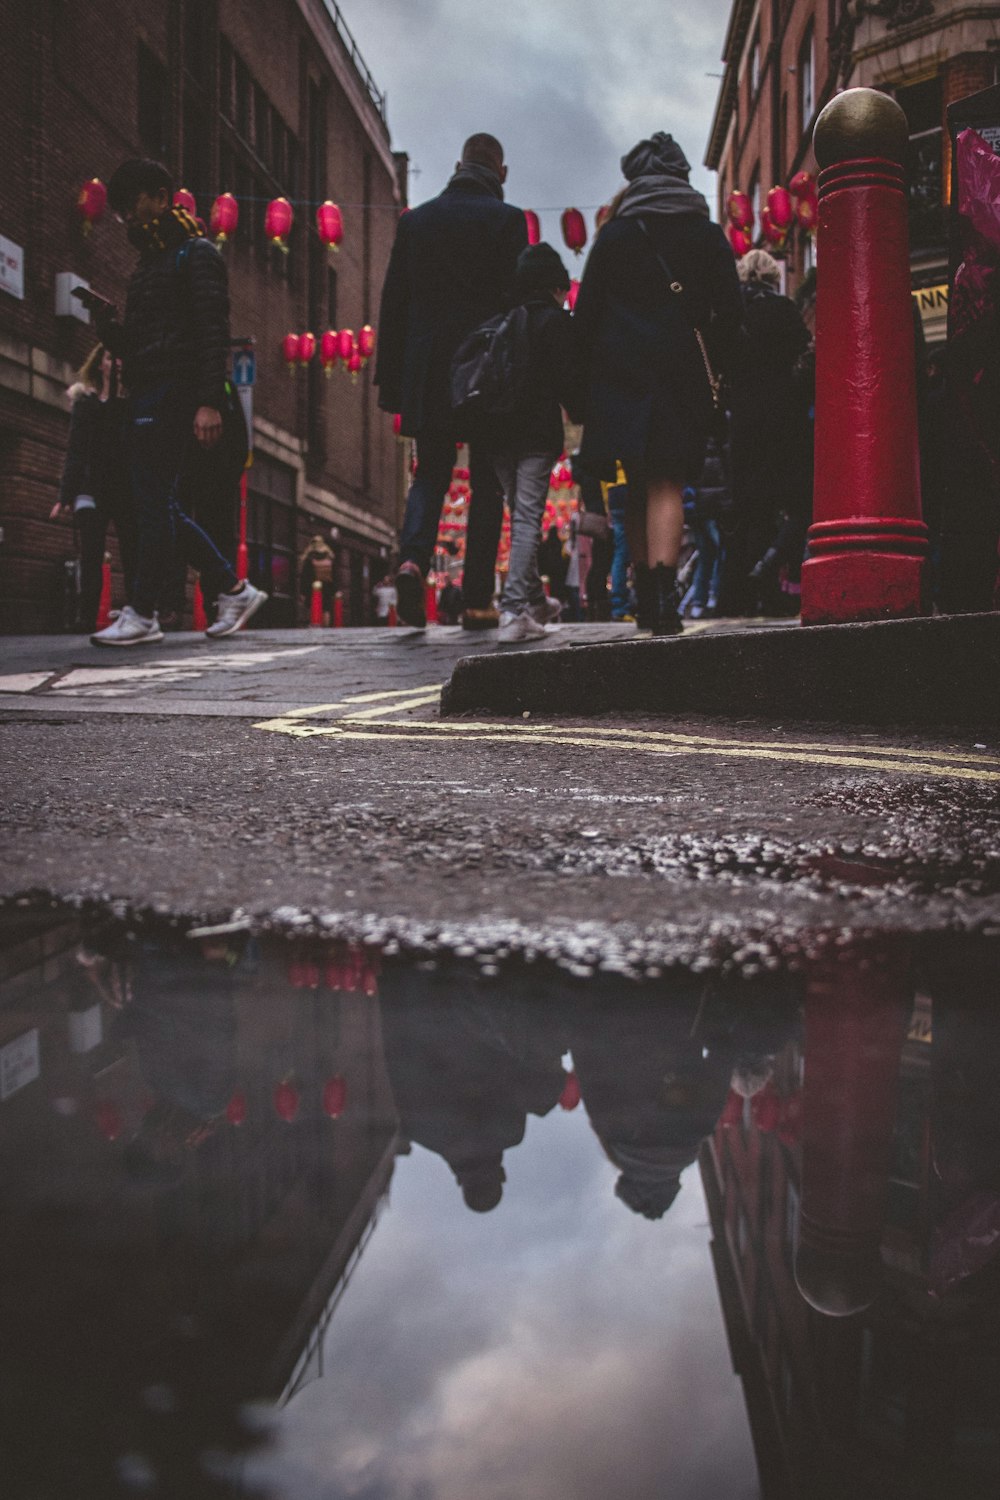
<point x="704" y="590"/>
<point x="621" y="594"/>
<point x="435" y="461"/>
<point x="525" y="482"/>
<point x="160" y="435"/>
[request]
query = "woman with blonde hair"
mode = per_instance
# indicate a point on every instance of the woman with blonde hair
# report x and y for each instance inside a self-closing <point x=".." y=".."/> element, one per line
<point x="95" y="489"/>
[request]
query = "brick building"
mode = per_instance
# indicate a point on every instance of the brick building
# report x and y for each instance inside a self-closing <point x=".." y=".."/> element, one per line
<point x="258" y="100"/>
<point x="784" y="61"/>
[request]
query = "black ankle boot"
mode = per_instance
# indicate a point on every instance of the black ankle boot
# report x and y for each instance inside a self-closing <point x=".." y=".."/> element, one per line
<point x="666" y="618"/>
<point x="645" y="610"/>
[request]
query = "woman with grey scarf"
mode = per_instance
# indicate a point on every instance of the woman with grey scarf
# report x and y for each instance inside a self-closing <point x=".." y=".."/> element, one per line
<point x="649" y="402"/>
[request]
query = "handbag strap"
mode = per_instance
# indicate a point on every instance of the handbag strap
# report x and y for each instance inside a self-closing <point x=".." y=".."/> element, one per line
<point x="714" y="380"/>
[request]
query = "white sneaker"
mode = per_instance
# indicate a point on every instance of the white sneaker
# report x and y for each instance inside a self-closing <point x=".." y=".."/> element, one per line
<point x="519" y="628"/>
<point x="234" y="610"/>
<point x="547" y="612"/>
<point x="129" y="629"/>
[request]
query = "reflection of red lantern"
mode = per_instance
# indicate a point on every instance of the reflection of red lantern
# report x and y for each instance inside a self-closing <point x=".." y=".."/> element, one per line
<point x="779" y="207"/>
<point x="739" y="210"/>
<point x="346" y="344"/>
<point x="236" y="1109"/>
<point x="739" y="240"/>
<point x="534" y="228"/>
<point x="329" y="351"/>
<point x="307" y="348"/>
<point x="225" y="216"/>
<point x="334" y="1097"/>
<point x="570" y="1096"/>
<point x="109" y="1119"/>
<point x="330" y="225"/>
<point x="91" y="201"/>
<point x="286" y="1101"/>
<point x="574" y="230"/>
<point x="278" y="222"/>
<point x="572" y="294"/>
<point x="366" y="341"/>
<point x="290" y="351"/>
<point x="186" y="200"/>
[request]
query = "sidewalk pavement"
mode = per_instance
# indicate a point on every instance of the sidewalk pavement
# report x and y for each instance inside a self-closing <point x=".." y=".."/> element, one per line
<point x="929" y="672"/>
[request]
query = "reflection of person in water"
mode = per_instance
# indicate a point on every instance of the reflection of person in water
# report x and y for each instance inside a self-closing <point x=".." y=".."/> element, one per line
<point x="466" y="1074"/>
<point x="654" y="1078"/>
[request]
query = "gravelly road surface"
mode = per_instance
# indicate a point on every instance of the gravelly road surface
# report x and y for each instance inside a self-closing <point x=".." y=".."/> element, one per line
<point x="308" y="780"/>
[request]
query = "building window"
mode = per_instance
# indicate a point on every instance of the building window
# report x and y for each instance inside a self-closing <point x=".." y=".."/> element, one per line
<point x="754" y="195"/>
<point x="196" y="146"/>
<point x="923" y="105"/>
<point x="227" y="82"/>
<point x="196" y="39"/>
<point x="152" y="95"/>
<point x="755" y="65"/>
<point x="807" y="78"/>
<point x="243" y="97"/>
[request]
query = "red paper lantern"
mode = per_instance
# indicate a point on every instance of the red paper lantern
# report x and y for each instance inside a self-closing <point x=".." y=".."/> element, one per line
<point x="572" y="294"/>
<point x="330" y="225"/>
<point x="574" y="230"/>
<point x="290" y="351"/>
<point x="186" y="200"/>
<point x="91" y="201"/>
<point x="774" y="236"/>
<point x="534" y="228"/>
<point x="329" y="351"/>
<point x="801" y="184"/>
<point x="307" y="349"/>
<point x="236" y="1109"/>
<point x="286" y="1100"/>
<point x="397" y="424"/>
<point x="765" y="1110"/>
<point x="602" y="216"/>
<point x="570" y="1096"/>
<point x="334" y="1097"/>
<point x="366" y="341"/>
<point x="354" y="364"/>
<point x="739" y="240"/>
<point x="739" y="210"/>
<point x="225" y="216"/>
<point x="807" y="211"/>
<point x="732" y="1110"/>
<point x="346" y="344"/>
<point x="278" y="222"/>
<point x="779" y="207"/>
<point x="462" y="475"/>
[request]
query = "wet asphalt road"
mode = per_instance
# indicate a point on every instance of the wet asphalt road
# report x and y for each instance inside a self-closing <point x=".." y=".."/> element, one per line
<point x="306" y="778"/>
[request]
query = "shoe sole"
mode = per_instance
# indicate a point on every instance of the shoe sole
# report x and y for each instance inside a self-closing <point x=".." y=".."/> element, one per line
<point x="140" y="640"/>
<point x="410" y="601"/>
<point x="220" y="635"/>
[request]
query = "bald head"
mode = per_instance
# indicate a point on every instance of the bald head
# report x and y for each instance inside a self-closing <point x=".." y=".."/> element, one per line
<point x="484" y="151"/>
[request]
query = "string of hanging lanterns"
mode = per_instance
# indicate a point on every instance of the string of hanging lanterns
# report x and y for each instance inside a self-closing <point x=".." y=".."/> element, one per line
<point x="342" y="345"/>
<point x="798" y="203"/>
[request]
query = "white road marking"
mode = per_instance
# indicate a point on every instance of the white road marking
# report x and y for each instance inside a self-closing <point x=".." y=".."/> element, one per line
<point x="23" y="682"/>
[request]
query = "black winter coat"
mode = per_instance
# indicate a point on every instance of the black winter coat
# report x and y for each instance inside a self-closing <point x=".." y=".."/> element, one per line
<point x="452" y="267"/>
<point x="770" y="438"/>
<point x="536" y="426"/>
<point x="648" y="401"/>
<point x="176" y="324"/>
<point x="95" y="462"/>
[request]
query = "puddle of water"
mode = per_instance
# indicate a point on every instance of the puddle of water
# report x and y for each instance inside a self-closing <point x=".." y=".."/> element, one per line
<point x="289" y="1220"/>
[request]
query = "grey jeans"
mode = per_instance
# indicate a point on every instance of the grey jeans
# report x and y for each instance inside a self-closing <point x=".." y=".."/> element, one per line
<point x="524" y="479"/>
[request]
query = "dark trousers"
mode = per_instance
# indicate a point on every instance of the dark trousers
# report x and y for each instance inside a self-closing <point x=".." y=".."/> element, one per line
<point x="435" y="461"/>
<point x="160" y="428"/>
<point x="92" y="530"/>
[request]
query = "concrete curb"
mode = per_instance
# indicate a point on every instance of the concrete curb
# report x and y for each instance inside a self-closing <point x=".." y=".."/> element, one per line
<point x="943" y="670"/>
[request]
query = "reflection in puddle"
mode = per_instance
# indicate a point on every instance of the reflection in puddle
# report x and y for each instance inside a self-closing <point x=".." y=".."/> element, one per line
<point x="706" y="1236"/>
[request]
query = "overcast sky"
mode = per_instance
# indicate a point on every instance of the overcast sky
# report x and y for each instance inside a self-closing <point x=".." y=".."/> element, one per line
<point x="567" y="85"/>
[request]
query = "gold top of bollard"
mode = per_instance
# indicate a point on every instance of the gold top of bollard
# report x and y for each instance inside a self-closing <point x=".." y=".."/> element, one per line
<point x="860" y="123"/>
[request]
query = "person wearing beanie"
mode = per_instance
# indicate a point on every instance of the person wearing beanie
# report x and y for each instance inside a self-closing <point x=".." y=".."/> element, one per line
<point x="528" y="439"/>
<point x="648" y="401"/>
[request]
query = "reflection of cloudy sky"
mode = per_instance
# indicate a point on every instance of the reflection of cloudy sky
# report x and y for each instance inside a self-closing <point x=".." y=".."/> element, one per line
<point x="559" y="1348"/>
<point x="567" y="85"/>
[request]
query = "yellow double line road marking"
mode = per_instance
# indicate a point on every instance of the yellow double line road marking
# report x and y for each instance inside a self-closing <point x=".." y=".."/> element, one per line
<point x="362" y="717"/>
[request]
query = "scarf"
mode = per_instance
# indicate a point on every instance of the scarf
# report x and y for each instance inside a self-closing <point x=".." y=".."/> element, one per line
<point x="482" y="176"/>
<point x="661" y="194"/>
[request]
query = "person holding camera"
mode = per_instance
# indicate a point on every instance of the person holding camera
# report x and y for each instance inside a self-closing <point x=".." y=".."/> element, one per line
<point x="174" y="346"/>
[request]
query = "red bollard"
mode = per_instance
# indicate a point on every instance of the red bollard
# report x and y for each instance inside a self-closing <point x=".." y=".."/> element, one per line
<point x="855" y="1026"/>
<point x="431" y="602"/>
<point x="316" y="603"/>
<point x="104" y="604"/>
<point x="868" y="544"/>
<point x="199" y="619"/>
<point x="338" y="609"/>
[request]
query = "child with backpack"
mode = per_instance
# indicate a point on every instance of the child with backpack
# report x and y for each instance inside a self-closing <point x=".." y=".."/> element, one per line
<point x="512" y="384"/>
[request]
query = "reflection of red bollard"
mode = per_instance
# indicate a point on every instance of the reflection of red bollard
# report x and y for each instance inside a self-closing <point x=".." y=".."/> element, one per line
<point x="867" y="544"/>
<point x="855" y="1025"/>
<point x="199" y="619"/>
<point x="431" y="602"/>
<point x="242" y="550"/>
<point x="316" y="604"/>
<point x="338" y="609"/>
<point x="104" y="604"/>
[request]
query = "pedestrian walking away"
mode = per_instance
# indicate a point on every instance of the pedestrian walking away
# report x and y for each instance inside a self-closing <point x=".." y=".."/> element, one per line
<point x="174" y="343"/>
<point x="452" y="267"/>
<point x="657" y="316"/>
<point x="95" y="488"/>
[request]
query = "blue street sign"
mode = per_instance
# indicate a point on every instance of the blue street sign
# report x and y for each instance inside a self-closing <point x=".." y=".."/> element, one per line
<point x="244" y="367"/>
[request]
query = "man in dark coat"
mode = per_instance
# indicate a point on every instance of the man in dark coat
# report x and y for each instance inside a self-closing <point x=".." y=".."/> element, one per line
<point x="452" y="268"/>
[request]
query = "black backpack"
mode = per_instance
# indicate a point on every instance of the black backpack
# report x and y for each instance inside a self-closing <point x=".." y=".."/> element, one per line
<point x="490" y="368"/>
